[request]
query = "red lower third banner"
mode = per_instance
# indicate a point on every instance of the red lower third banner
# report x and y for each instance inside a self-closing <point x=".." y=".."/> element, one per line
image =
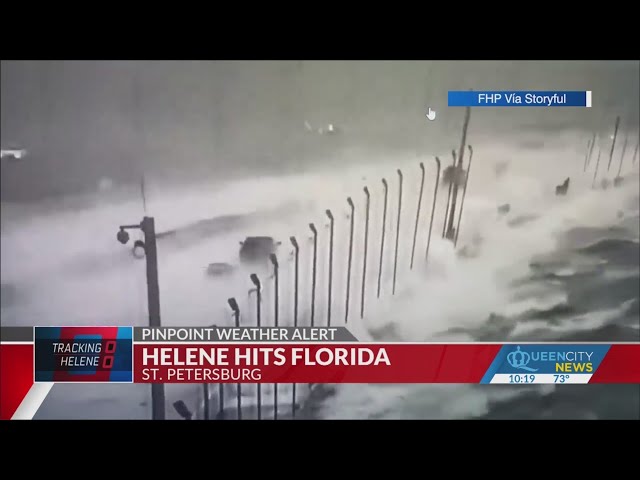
<point x="386" y="363"/>
<point x="25" y="383"/>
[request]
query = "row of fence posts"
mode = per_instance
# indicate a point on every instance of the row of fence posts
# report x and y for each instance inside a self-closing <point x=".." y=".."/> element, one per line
<point x="450" y="231"/>
<point x="148" y="228"/>
<point x="451" y="234"/>
<point x="589" y="153"/>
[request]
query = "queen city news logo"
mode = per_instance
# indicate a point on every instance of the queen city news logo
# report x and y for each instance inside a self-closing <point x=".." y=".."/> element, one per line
<point x="555" y="358"/>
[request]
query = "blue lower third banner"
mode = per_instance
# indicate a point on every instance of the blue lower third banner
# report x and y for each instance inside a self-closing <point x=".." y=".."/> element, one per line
<point x="519" y="98"/>
<point x="526" y="363"/>
<point x="83" y="354"/>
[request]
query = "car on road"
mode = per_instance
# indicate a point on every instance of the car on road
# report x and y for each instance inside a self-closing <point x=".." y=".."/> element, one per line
<point x="257" y="249"/>
<point x="218" y="269"/>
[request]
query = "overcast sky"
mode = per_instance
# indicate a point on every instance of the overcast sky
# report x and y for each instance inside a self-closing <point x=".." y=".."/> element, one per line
<point x="84" y="120"/>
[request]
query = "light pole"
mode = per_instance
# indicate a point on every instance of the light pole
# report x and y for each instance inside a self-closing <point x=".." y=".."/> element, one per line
<point x="256" y="281"/>
<point x="330" y="286"/>
<point x="296" y="248"/>
<point x="236" y="316"/>
<point x="314" y="267"/>
<point x="153" y="296"/>
<point x="276" y="321"/>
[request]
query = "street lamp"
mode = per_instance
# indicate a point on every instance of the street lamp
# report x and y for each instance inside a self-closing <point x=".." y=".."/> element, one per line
<point x="139" y="247"/>
<point x="153" y="294"/>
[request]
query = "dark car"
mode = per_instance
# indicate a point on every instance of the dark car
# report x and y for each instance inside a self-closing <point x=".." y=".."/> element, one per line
<point x="218" y="269"/>
<point x="257" y="249"/>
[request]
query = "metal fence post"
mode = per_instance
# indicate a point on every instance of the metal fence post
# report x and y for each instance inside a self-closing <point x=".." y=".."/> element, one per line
<point x="415" y="230"/>
<point x="454" y="197"/>
<point x="143" y="194"/>
<point x="330" y="286"/>
<point x="446" y="210"/>
<point x="220" y="401"/>
<point x="221" y="390"/>
<point x="593" y="144"/>
<point x="349" y="259"/>
<point x="236" y="315"/>
<point x="296" y="270"/>
<point x="624" y="150"/>
<point x="586" y="156"/>
<point x="464" y="194"/>
<point x="205" y="390"/>
<point x="613" y="143"/>
<point x="276" y="323"/>
<point x="276" y="299"/>
<point x="296" y="248"/>
<point x="314" y="272"/>
<point x="595" y="172"/>
<point x="433" y="208"/>
<point x="366" y="250"/>
<point x="384" y="228"/>
<point x="395" y="261"/>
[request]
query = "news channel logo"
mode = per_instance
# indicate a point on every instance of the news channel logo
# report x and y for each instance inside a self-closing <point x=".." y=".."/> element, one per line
<point x="84" y="354"/>
<point x="551" y="358"/>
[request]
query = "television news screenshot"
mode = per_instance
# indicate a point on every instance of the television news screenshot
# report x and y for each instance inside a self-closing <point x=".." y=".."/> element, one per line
<point x="320" y="240"/>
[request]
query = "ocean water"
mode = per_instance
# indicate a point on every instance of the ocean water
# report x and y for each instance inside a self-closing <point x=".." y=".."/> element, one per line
<point x="552" y="269"/>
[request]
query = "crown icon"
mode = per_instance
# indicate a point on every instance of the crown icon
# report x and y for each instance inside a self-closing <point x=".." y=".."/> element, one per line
<point x="518" y="358"/>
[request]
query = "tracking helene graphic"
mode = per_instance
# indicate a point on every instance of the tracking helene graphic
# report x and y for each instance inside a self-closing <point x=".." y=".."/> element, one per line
<point x="520" y="360"/>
